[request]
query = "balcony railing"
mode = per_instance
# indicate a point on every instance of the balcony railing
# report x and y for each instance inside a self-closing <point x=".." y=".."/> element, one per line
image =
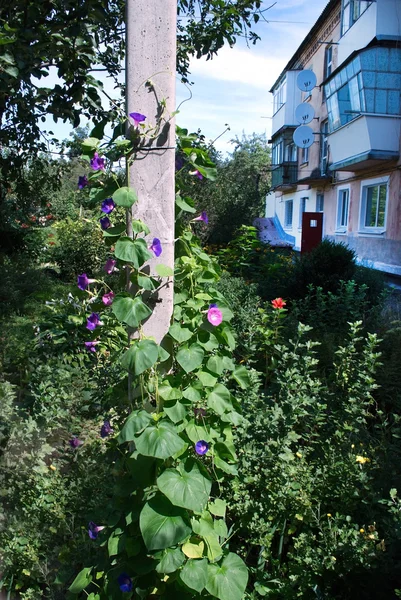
<point x="284" y="174"/>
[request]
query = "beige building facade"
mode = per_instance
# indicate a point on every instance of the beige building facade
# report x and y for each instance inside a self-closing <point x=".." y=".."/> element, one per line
<point x="352" y="171"/>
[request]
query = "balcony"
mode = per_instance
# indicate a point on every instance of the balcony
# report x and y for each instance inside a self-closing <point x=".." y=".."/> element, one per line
<point x="367" y="141"/>
<point x="284" y="174"/>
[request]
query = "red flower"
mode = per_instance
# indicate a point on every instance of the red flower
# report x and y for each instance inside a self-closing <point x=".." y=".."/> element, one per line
<point x="278" y="303"/>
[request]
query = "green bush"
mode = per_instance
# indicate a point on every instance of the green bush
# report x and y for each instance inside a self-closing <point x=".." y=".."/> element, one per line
<point x="80" y="248"/>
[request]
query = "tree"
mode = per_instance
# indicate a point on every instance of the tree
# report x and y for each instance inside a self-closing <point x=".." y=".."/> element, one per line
<point x="237" y="196"/>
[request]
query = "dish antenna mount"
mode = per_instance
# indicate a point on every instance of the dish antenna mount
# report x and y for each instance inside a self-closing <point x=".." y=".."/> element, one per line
<point x="303" y="136"/>
<point x="306" y="80"/>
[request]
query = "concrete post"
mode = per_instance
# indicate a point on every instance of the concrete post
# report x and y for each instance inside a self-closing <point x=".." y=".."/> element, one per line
<point x="150" y="79"/>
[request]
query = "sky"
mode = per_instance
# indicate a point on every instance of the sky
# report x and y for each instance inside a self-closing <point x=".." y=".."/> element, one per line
<point x="233" y="88"/>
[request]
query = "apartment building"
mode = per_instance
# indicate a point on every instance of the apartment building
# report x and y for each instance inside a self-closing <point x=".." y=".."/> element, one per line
<point x="348" y="182"/>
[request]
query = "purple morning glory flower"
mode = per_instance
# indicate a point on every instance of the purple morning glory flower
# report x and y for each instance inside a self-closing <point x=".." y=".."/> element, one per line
<point x="97" y="163"/>
<point x="82" y="182"/>
<point x="93" y="530"/>
<point x="137" y="118"/>
<point x="83" y="281"/>
<point x="91" y="346"/>
<point x="92" y="321"/>
<point x="110" y="265"/>
<point x="202" y="217"/>
<point x="201" y="447"/>
<point x="75" y="442"/>
<point x="125" y="582"/>
<point x="197" y="174"/>
<point x="106" y="429"/>
<point x="105" y="223"/>
<point x="107" y="299"/>
<point x="108" y="206"/>
<point x="179" y="163"/>
<point x="214" y="315"/>
<point x="156" y="247"/>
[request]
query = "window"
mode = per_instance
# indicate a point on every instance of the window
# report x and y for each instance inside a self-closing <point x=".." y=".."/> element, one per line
<point x="290" y="154"/>
<point x="305" y="155"/>
<point x="328" y="62"/>
<point x="319" y="202"/>
<point x="352" y="10"/>
<point x="277" y="152"/>
<point x="279" y="96"/>
<point x="373" y="205"/>
<point x="302" y="209"/>
<point x="324" y="147"/>
<point x="289" y="207"/>
<point x="342" y="209"/>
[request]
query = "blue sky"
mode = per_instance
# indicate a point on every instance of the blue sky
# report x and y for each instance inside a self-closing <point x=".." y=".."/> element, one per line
<point x="234" y="87"/>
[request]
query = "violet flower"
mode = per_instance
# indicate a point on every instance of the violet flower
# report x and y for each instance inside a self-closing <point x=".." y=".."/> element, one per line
<point x="92" y="321"/>
<point x="202" y="217"/>
<point x="137" y="118"/>
<point x="106" y="429"/>
<point x="107" y="299"/>
<point x="125" y="582"/>
<point x="214" y="315"/>
<point x="91" y="346"/>
<point x="110" y="265"/>
<point x="83" y="281"/>
<point x="93" y="530"/>
<point x="108" y="206"/>
<point x="197" y="174"/>
<point x="156" y="247"/>
<point x="82" y="182"/>
<point x="75" y="442"/>
<point x="97" y="163"/>
<point x="201" y="447"/>
<point x="105" y="223"/>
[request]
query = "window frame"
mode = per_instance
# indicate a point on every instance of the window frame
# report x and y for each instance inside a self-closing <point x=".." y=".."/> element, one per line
<point x="348" y="12"/>
<point x="302" y="208"/>
<point x="342" y="227"/>
<point x="279" y="95"/>
<point x="288" y="224"/>
<point x="367" y="184"/>
<point x="328" y="64"/>
<point x="304" y="156"/>
<point x="320" y="202"/>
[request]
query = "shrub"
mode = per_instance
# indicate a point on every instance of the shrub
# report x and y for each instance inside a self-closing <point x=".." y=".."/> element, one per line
<point x="80" y="248"/>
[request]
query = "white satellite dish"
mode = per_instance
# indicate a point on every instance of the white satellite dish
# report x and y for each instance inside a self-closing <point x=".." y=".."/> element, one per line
<point x="303" y="136"/>
<point x="306" y="80"/>
<point x="304" y="113"/>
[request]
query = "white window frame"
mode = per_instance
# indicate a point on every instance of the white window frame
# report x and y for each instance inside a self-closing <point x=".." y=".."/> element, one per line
<point x="365" y="185"/>
<point x="287" y="224"/>
<point x="304" y="156"/>
<point x="302" y="209"/>
<point x="320" y="196"/>
<point x="341" y="227"/>
<point x="279" y="95"/>
<point x="328" y="60"/>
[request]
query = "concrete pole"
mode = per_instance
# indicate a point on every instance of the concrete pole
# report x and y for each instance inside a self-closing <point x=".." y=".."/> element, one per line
<point x="151" y="57"/>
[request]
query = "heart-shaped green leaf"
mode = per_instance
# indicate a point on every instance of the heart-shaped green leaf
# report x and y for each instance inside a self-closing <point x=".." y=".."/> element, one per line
<point x="141" y="356"/>
<point x="185" y="486"/>
<point x="159" y="440"/>
<point x="162" y="524"/>
<point x="190" y="358"/>
<point x="194" y="574"/>
<point x="228" y="580"/>
<point x="130" y="310"/>
<point x="125" y="197"/>
<point x="132" y="251"/>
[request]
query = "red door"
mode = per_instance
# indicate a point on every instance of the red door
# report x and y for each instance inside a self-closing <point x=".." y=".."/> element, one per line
<point x="312" y="230"/>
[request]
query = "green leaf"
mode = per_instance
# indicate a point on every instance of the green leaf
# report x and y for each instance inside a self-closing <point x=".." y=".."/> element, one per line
<point x="10" y="70"/>
<point x="115" y="544"/>
<point x="192" y="394"/>
<point x="90" y="144"/>
<point x="183" y="205"/>
<point x="159" y="440"/>
<point x="132" y="251"/>
<point x="114" y="231"/>
<point x="169" y="393"/>
<point x="180" y="334"/>
<point x="215" y="364"/>
<point x="190" y="358"/>
<point x="141" y="356"/>
<point x="241" y="376"/>
<point x="162" y="524"/>
<point x="136" y="421"/>
<point x="139" y="226"/>
<point x="146" y="283"/>
<point x="218" y="508"/>
<point x="194" y="548"/>
<point x="125" y="197"/>
<point x="164" y="270"/>
<point x="81" y="581"/>
<point x="206" y="379"/>
<point x="228" y="580"/>
<point x="130" y="310"/>
<point x="185" y="486"/>
<point x="197" y="432"/>
<point x="171" y="561"/>
<point x="219" y="399"/>
<point x="194" y="574"/>
<point x="175" y="410"/>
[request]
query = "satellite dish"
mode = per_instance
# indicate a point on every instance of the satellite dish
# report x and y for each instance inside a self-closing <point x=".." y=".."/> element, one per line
<point x="303" y="136"/>
<point x="304" y="113"/>
<point x="306" y="80"/>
